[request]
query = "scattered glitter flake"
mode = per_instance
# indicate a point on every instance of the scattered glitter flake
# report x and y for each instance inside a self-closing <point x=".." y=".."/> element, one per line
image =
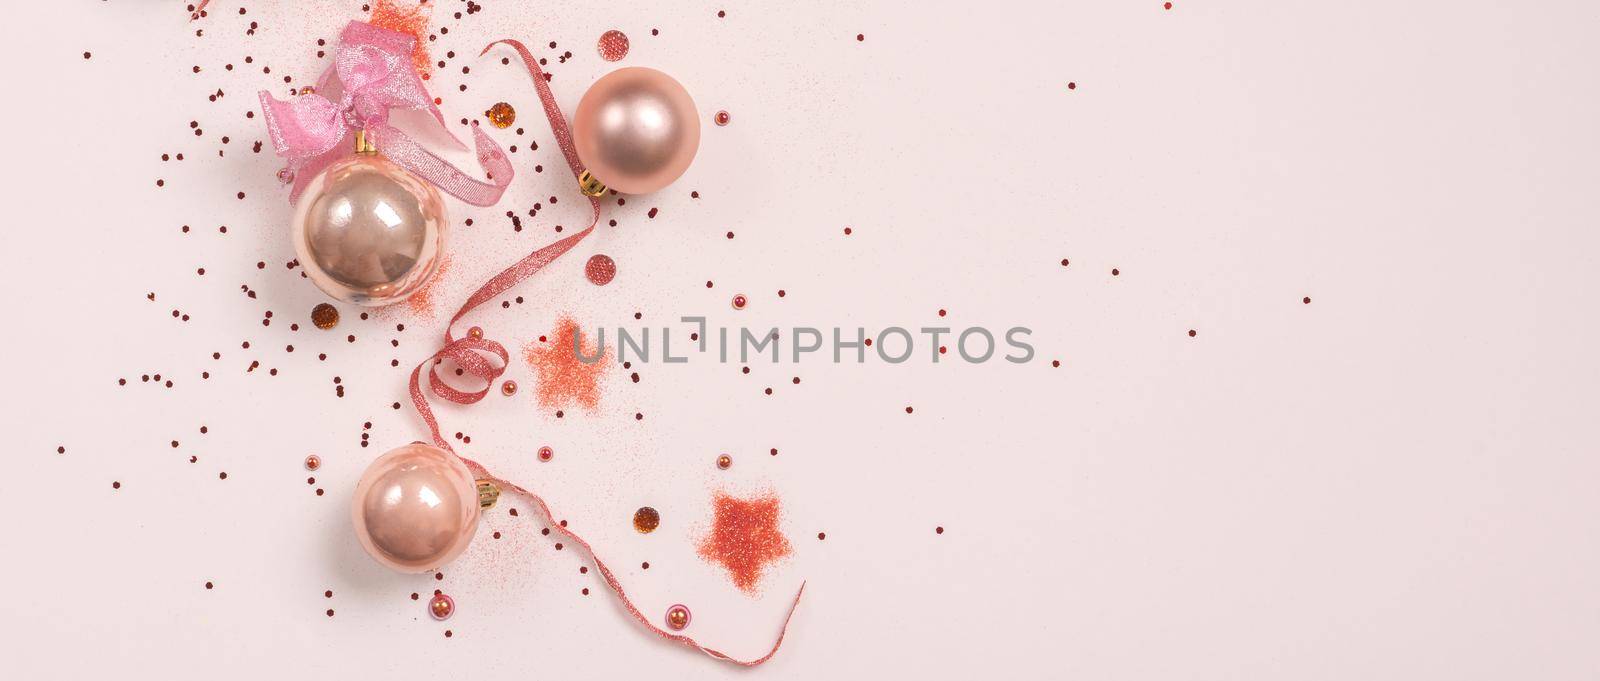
<point x="411" y="19"/>
<point x="564" y="379"/>
<point x="613" y="45"/>
<point x="313" y="462"/>
<point x="421" y="302"/>
<point x="600" y="269"/>
<point x="325" y="316"/>
<point x="678" y="617"/>
<point x="441" y="606"/>
<point x="745" y="538"/>
<point x="646" y="520"/>
<point x="501" y="115"/>
<point x="722" y="118"/>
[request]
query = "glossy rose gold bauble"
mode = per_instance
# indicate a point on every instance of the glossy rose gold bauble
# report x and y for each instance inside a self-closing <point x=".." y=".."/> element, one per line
<point x="416" y="508"/>
<point x="636" y="130"/>
<point x="367" y="231"/>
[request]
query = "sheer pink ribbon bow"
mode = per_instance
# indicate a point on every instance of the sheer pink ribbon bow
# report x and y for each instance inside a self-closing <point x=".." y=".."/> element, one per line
<point x="373" y="67"/>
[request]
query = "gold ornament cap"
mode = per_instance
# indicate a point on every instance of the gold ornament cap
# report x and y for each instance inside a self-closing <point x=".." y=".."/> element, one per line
<point x="488" y="494"/>
<point x="364" y="145"/>
<point x="591" y="185"/>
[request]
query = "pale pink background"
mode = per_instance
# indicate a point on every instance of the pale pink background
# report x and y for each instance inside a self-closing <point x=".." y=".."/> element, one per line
<point x="1396" y="481"/>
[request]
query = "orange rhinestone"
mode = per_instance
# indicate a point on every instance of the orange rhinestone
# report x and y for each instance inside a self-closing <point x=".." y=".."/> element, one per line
<point x="724" y="461"/>
<point x="646" y="520"/>
<point x="508" y="388"/>
<point x="313" y="462"/>
<point x="501" y="115"/>
<point x="475" y="332"/>
<point x="325" y="316"/>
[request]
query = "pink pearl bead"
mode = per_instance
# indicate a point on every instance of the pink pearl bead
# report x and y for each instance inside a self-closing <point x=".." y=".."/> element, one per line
<point x="678" y="617"/>
<point x="415" y="508"/>
<point x="441" y="607"/>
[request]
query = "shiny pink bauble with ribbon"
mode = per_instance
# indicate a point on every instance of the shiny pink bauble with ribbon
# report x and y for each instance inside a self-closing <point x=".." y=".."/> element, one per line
<point x="416" y="508"/>
<point x="367" y="231"/>
<point x="636" y="130"/>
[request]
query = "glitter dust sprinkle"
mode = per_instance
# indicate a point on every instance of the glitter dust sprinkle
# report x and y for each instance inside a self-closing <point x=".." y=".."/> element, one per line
<point x="411" y="19"/>
<point x="613" y="45"/>
<point x="563" y="378"/>
<point x="744" y="538"/>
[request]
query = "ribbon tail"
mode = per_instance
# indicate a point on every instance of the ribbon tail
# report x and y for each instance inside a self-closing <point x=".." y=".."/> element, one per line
<point x="552" y="111"/>
<point x="413" y="157"/>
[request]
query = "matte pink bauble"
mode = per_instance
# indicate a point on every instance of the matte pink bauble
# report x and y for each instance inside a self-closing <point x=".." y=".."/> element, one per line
<point x="368" y="231"/>
<point x="636" y="130"/>
<point x="416" y="508"/>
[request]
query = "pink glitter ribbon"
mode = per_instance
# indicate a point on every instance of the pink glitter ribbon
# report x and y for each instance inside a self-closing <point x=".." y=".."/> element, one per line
<point x="487" y="360"/>
<point x="374" y="69"/>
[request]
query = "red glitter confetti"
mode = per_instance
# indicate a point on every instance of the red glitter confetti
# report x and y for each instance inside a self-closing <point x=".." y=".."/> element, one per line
<point x="413" y="21"/>
<point x="613" y="45"/>
<point x="745" y="538"/>
<point x="563" y="378"/>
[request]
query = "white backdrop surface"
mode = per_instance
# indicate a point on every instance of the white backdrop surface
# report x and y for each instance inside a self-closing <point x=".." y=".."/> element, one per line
<point x="1395" y="480"/>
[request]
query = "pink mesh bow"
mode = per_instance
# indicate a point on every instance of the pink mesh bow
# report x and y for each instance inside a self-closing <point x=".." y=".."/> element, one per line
<point x="372" y="69"/>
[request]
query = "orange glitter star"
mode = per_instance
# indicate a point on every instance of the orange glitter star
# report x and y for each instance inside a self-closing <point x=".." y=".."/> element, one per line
<point x="745" y="538"/>
<point x="412" y="21"/>
<point x="563" y="378"/>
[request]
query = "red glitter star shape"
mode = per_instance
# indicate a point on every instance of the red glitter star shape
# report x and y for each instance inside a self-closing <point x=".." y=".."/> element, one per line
<point x="563" y="378"/>
<point x="745" y="538"/>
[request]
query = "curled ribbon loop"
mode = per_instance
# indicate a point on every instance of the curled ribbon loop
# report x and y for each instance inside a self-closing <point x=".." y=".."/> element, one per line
<point x="473" y="355"/>
<point x="372" y="68"/>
